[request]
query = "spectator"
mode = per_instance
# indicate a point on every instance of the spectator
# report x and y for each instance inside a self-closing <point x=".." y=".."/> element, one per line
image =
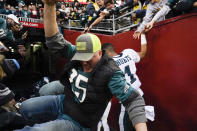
<point x="140" y="13"/>
<point x="21" y="2"/>
<point x="110" y="9"/>
<point x="109" y="4"/>
<point x="12" y="9"/>
<point x="136" y="6"/>
<point x="8" y="26"/>
<point x="33" y="11"/>
<point x="8" y="10"/>
<point x="153" y="14"/>
<point x="10" y="119"/>
<point x="179" y="7"/>
<point x="100" y="3"/>
<point x="25" y="12"/>
<point x="2" y="4"/>
<point x="86" y="93"/>
<point x="18" y="12"/>
<point x="7" y="67"/>
<point x="91" y="9"/>
<point x="162" y="8"/>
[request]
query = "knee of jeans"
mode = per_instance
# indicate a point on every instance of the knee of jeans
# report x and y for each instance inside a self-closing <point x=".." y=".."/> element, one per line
<point x="42" y="91"/>
<point x="26" y="109"/>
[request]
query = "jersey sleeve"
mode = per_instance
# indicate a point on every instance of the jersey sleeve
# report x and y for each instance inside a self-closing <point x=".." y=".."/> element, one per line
<point x="131" y="99"/>
<point x="57" y="44"/>
<point x="133" y="54"/>
<point x="119" y="87"/>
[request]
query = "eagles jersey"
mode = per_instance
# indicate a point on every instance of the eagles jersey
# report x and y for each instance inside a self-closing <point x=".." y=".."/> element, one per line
<point x="126" y="61"/>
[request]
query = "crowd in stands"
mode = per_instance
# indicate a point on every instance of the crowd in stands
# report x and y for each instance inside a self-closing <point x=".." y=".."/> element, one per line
<point x="22" y="10"/>
<point x="88" y="12"/>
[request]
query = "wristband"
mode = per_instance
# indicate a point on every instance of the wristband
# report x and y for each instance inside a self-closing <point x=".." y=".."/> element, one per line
<point x="143" y="39"/>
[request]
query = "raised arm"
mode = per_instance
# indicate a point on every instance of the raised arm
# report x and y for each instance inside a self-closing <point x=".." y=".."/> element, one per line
<point x="143" y="51"/>
<point x="162" y="13"/>
<point x="50" y="24"/>
<point x="147" y="18"/>
<point x="54" y="40"/>
<point x="98" y="20"/>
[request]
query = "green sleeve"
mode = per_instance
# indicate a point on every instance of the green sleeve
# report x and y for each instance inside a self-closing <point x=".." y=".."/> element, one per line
<point x="119" y="87"/>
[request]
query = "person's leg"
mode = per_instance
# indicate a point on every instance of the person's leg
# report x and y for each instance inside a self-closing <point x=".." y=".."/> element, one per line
<point x="41" y="109"/>
<point x="56" y="125"/>
<point x="103" y="122"/>
<point x="52" y="88"/>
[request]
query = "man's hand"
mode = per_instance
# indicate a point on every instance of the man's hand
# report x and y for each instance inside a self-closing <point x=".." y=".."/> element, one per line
<point x="195" y="4"/>
<point x="149" y="26"/>
<point x="87" y="29"/>
<point x="24" y="36"/>
<point x="133" y="16"/>
<point x="136" y="35"/>
<point x="15" y="28"/>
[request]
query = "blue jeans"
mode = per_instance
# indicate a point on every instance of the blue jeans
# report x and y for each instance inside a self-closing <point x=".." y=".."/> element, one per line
<point x="52" y="88"/>
<point x="47" y="110"/>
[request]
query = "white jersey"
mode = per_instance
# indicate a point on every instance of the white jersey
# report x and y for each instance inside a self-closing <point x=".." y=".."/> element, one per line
<point x="126" y="60"/>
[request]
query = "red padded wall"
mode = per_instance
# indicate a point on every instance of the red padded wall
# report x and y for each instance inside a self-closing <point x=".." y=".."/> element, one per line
<point x="168" y="73"/>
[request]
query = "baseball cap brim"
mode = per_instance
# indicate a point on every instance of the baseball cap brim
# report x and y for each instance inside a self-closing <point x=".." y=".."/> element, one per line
<point x="83" y="56"/>
<point x="14" y="18"/>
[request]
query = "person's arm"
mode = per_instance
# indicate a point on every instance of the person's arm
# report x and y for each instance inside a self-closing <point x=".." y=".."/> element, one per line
<point x="95" y="17"/>
<point x="148" y="17"/>
<point x="98" y="20"/>
<point x="131" y="99"/>
<point x="162" y="13"/>
<point x="143" y="51"/>
<point x="50" y="24"/>
<point x="54" y="40"/>
<point x="141" y="127"/>
<point x="195" y="4"/>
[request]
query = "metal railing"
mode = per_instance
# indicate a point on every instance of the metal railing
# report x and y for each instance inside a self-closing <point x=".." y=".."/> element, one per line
<point x="24" y="19"/>
<point x="109" y="26"/>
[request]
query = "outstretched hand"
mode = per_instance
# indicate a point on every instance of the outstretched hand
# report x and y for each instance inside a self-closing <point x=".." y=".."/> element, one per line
<point x="87" y="29"/>
<point x="149" y="26"/>
<point x="136" y="35"/>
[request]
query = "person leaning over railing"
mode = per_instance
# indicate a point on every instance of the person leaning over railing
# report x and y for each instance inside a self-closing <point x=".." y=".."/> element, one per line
<point x="179" y="7"/>
<point x="109" y="4"/>
<point x="153" y="14"/>
<point x="162" y="7"/>
<point x="100" y="3"/>
<point x="110" y="9"/>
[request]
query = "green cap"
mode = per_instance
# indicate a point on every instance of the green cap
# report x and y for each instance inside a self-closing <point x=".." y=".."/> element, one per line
<point x="86" y="45"/>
